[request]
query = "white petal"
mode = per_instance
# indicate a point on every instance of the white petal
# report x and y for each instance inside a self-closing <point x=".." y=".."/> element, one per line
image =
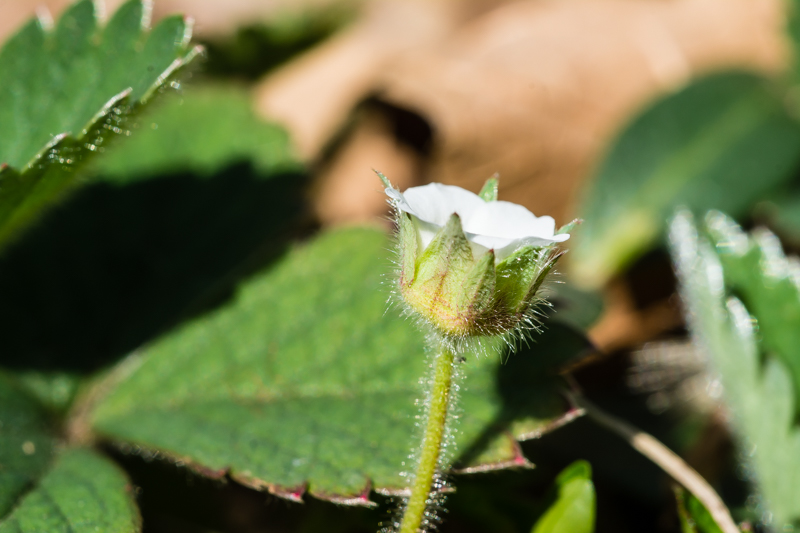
<point x="427" y="232"/>
<point x="505" y="219"/>
<point x="435" y="203"/>
<point x="503" y="247"/>
<point x="501" y="226"/>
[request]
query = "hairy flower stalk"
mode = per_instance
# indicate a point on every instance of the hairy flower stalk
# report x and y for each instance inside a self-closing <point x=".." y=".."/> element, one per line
<point x="470" y="267"/>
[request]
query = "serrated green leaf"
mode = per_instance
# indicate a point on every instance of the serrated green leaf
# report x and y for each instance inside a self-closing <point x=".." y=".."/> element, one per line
<point x="203" y="130"/>
<point x="26" y="442"/>
<point x="722" y="142"/>
<point x="306" y="381"/>
<point x="573" y="510"/>
<point x="82" y="493"/>
<point x="760" y="396"/>
<point x="65" y="93"/>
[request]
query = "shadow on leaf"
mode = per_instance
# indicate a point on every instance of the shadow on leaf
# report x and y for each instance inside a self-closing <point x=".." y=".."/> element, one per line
<point x="115" y="266"/>
<point x="530" y="390"/>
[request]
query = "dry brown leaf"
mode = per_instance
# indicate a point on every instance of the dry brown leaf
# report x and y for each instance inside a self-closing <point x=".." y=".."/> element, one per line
<point x="314" y="95"/>
<point x="15" y="13"/>
<point x="352" y="192"/>
<point x="624" y="326"/>
<point x="214" y="18"/>
<point x="533" y="90"/>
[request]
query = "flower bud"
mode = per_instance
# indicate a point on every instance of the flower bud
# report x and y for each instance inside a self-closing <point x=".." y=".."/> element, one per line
<point x="470" y="265"/>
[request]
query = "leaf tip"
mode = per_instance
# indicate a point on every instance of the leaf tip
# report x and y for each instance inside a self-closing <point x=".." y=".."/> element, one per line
<point x="293" y="494"/>
<point x="147" y="14"/>
<point x="188" y="30"/>
<point x="359" y="499"/>
<point x="45" y="18"/>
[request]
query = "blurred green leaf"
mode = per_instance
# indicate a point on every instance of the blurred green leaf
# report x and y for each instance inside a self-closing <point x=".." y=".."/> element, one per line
<point x="66" y="91"/>
<point x="722" y="142"/>
<point x="203" y="130"/>
<point x="53" y="390"/>
<point x="574" y="307"/>
<point x="259" y="48"/>
<point x="793" y="31"/>
<point x="306" y="382"/>
<point x="760" y="395"/>
<point x="26" y="442"/>
<point x="574" y="507"/>
<point x="782" y="213"/>
<point x="82" y="493"/>
<point x="767" y="283"/>
<point x="693" y="515"/>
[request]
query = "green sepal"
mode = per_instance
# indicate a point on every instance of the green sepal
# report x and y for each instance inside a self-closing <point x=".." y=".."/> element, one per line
<point x="489" y="191"/>
<point x="438" y="285"/>
<point x="515" y="274"/>
<point x="409" y="248"/>
<point x="447" y="258"/>
<point x="478" y="290"/>
<point x="547" y="261"/>
<point x="567" y="228"/>
<point x="384" y="179"/>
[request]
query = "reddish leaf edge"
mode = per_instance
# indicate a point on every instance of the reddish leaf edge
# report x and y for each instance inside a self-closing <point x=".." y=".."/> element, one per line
<point x="360" y="498"/>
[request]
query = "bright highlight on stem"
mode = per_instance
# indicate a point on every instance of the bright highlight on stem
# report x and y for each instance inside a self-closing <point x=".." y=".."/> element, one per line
<point x="428" y="466"/>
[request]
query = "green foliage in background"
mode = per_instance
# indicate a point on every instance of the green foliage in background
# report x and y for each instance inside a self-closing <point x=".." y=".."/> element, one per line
<point x="83" y="491"/>
<point x="574" y="507"/>
<point x="693" y="515"/>
<point x="26" y="445"/>
<point x="202" y="131"/>
<point x="66" y="92"/>
<point x="262" y="46"/>
<point x="721" y="142"/>
<point x="756" y="370"/>
<point x="782" y="212"/>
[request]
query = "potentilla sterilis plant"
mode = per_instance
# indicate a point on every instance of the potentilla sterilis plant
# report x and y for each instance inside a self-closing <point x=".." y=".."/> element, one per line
<point x="470" y="267"/>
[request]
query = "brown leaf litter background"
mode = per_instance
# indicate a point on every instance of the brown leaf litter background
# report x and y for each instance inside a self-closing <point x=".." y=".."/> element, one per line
<point x="454" y="91"/>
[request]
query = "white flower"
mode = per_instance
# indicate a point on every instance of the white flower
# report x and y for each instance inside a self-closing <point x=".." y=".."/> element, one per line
<point x="468" y="265"/>
<point x="501" y="226"/>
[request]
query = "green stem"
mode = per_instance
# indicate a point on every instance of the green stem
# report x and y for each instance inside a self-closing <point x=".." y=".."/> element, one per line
<point x="431" y="444"/>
